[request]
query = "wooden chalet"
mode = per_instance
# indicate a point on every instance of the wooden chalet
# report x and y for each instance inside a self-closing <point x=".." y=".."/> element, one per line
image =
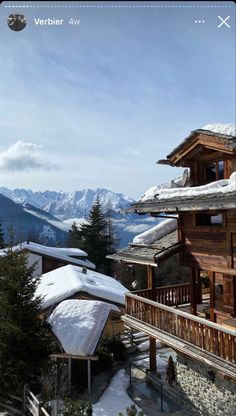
<point x="75" y="283"/>
<point x="47" y="258"/>
<point x="197" y="325"/>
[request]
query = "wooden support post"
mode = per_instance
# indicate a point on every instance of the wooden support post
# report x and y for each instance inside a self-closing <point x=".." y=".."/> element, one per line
<point x="150" y="277"/>
<point x="193" y="305"/>
<point x="89" y="376"/>
<point x="69" y="373"/>
<point x="55" y="402"/>
<point x="198" y="286"/>
<point x="152" y="354"/>
<point x="212" y="295"/>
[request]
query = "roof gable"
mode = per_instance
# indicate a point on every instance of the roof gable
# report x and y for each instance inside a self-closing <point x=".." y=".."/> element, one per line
<point x="202" y="143"/>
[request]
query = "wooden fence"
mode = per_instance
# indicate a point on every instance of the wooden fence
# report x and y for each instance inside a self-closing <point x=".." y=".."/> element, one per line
<point x="32" y="405"/>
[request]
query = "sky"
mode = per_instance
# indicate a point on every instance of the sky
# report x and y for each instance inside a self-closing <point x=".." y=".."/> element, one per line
<point x="95" y="105"/>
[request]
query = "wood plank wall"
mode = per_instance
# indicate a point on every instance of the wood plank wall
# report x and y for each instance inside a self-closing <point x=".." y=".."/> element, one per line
<point x="209" y="246"/>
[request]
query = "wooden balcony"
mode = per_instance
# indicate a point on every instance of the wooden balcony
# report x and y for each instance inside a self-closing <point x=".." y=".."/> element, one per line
<point x="154" y="310"/>
<point x="168" y="295"/>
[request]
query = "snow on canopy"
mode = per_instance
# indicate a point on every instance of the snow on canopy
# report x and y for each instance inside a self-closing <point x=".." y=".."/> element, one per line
<point x="222" y="186"/>
<point x="59" y="284"/>
<point x="227" y="129"/>
<point x="78" y="324"/>
<point x="157" y="232"/>
<point x="61" y="253"/>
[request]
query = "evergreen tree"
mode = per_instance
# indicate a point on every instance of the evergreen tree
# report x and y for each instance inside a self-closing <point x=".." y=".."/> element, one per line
<point x="112" y="241"/>
<point x="74" y="240"/>
<point x="2" y="242"/>
<point x="95" y="238"/>
<point x="24" y="346"/>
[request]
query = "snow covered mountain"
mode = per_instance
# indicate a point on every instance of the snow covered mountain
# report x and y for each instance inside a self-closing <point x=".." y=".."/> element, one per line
<point x="65" y="205"/>
<point x="28" y="222"/>
<point x="58" y="210"/>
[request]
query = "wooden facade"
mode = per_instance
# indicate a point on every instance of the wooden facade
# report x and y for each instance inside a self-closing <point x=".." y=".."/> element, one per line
<point x="181" y="315"/>
<point x="50" y="263"/>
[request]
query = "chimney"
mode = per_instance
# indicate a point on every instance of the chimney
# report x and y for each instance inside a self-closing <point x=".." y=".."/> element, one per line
<point x="84" y="270"/>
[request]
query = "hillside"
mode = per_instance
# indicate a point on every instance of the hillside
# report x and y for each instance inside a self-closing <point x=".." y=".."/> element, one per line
<point x="28" y="222"/>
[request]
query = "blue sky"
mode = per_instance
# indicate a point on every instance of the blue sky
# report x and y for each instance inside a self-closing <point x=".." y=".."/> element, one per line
<point x="96" y="105"/>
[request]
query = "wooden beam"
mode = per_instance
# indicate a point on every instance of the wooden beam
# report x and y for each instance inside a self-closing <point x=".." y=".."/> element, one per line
<point x="75" y="357"/>
<point x="152" y="354"/>
<point x="223" y="270"/>
<point x="69" y="375"/>
<point x="212" y="295"/>
<point x="89" y="376"/>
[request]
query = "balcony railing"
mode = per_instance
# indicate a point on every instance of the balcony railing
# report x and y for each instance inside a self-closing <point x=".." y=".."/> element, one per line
<point x="207" y="335"/>
<point x="168" y="295"/>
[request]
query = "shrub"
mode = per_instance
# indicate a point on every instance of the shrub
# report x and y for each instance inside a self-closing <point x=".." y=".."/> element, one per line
<point x="77" y="408"/>
<point x="132" y="411"/>
<point x="104" y="362"/>
<point x="116" y="347"/>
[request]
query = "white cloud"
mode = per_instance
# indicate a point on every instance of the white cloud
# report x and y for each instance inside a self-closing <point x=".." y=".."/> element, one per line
<point x="22" y="156"/>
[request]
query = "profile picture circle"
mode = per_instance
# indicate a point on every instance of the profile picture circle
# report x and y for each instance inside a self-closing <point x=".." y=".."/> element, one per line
<point x="16" y="21"/>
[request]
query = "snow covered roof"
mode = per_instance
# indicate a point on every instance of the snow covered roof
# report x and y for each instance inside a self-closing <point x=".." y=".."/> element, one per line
<point x="216" y="195"/>
<point x="225" y="129"/>
<point x="157" y="232"/>
<point x="78" y="324"/>
<point x="222" y="186"/>
<point x="61" y="253"/>
<point x="66" y="281"/>
<point x="54" y="251"/>
<point x="150" y="254"/>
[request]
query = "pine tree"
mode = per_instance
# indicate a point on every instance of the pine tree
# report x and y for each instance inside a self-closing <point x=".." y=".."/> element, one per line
<point x="95" y="238"/>
<point x="24" y="346"/>
<point x="112" y="240"/>
<point x="74" y="237"/>
<point x="2" y="242"/>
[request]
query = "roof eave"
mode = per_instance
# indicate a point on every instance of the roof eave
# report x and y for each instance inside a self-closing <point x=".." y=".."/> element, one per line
<point x="214" y="202"/>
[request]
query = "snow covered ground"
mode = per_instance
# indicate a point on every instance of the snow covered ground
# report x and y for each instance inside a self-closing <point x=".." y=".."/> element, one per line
<point x="114" y="399"/>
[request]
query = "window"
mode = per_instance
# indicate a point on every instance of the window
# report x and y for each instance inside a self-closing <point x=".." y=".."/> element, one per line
<point x="214" y="171"/>
<point x="209" y="220"/>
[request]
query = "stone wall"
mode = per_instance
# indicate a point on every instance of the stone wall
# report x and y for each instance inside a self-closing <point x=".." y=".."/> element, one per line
<point x="216" y="397"/>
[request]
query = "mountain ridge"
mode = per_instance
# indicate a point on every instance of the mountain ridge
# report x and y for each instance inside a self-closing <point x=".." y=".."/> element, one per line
<point x="59" y="209"/>
<point x="66" y="205"/>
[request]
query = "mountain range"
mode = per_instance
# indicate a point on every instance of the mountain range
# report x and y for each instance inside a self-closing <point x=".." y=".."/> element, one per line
<point x="51" y="213"/>
<point x="65" y="205"/>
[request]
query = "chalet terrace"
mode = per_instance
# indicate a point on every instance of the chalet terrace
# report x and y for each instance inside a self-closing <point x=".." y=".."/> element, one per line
<point x="200" y="325"/>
